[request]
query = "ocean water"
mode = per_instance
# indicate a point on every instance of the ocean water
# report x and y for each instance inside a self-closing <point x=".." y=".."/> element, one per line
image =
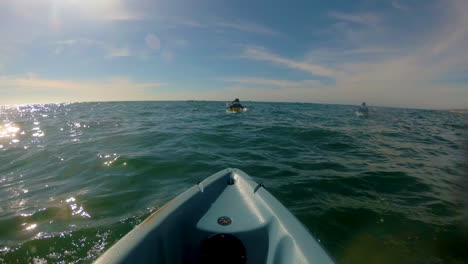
<point x="390" y="188"/>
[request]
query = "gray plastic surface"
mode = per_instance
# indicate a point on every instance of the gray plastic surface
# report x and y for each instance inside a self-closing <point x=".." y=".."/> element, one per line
<point x="174" y="233"/>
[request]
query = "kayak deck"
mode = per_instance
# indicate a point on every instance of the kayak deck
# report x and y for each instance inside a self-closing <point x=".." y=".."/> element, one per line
<point x="226" y="216"/>
<point x="235" y="109"/>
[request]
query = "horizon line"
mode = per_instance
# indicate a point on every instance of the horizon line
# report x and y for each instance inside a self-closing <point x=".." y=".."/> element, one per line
<point x="201" y="100"/>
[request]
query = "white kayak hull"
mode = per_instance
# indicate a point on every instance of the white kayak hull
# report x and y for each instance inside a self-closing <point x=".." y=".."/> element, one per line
<point x="226" y="216"/>
<point x="362" y="114"/>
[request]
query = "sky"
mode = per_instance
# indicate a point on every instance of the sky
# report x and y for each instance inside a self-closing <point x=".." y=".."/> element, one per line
<point x="401" y="53"/>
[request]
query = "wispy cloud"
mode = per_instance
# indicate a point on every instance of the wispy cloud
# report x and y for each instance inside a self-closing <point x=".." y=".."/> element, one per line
<point x="247" y="27"/>
<point x="377" y="70"/>
<point x="34" y="82"/>
<point x="151" y="41"/>
<point x="411" y="74"/>
<point x="238" y="25"/>
<point x="188" y="22"/>
<point x="118" y="52"/>
<point x="359" y="53"/>
<point x="271" y="82"/>
<point x="367" y="19"/>
<point x="436" y="55"/>
<point x="261" y="54"/>
<point x="104" y="9"/>
<point x="109" y="50"/>
<point x="112" y="88"/>
<point x="400" y="6"/>
<point x="453" y="35"/>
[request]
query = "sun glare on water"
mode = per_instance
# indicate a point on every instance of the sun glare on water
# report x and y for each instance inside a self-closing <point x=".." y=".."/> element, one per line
<point x="8" y="130"/>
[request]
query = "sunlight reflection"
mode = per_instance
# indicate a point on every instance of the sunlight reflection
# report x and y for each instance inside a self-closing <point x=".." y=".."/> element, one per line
<point x="31" y="227"/>
<point x="26" y="215"/>
<point x="38" y="134"/>
<point x="8" y="130"/>
<point x="111" y="158"/>
<point x="4" y="249"/>
<point x="77" y="210"/>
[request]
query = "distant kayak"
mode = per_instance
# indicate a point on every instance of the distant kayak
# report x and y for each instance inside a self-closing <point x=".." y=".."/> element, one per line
<point x="226" y="218"/>
<point x="358" y="113"/>
<point x="237" y="109"/>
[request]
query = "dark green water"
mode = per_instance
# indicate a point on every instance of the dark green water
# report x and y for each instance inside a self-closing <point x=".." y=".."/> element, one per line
<point x="74" y="178"/>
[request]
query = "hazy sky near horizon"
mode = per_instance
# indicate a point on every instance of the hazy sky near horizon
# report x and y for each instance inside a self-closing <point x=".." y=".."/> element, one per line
<point x="407" y="53"/>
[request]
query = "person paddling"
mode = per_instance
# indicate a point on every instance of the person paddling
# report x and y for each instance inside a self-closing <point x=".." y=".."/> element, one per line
<point x="236" y="104"/>
<point x="363" y="108"/>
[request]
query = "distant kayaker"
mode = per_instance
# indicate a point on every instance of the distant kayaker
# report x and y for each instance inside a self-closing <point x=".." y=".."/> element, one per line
<point x="236" y="104"/>
<point x="363" y="108"/>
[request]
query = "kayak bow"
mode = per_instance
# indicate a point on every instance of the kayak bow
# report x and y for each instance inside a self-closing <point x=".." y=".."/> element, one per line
<point x="226" y="218"/>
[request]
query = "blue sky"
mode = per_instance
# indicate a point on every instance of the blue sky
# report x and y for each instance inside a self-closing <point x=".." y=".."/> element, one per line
<point x="407" y="53"/>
